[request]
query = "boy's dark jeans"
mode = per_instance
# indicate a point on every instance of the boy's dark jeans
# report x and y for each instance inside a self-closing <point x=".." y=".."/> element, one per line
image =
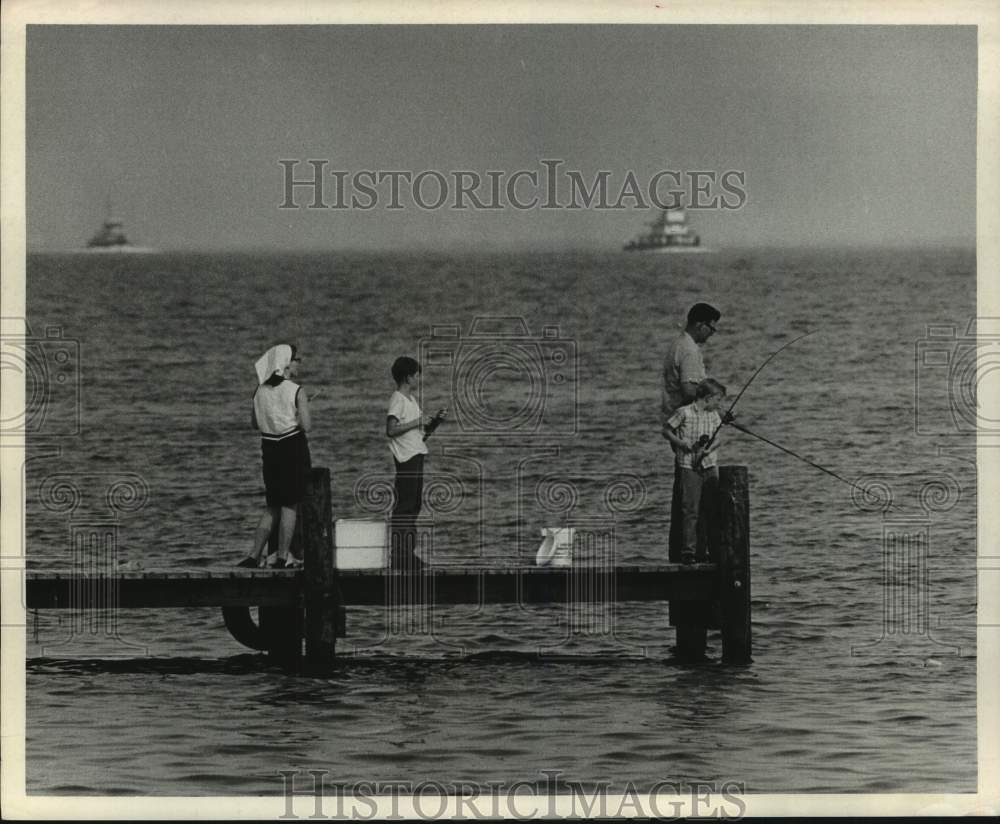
<point x="681" y="541"/>
<point x="403" y="528"/>
<point x="698" y="487"/>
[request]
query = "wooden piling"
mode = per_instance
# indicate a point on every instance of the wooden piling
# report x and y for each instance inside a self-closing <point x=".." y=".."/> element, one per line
<point x="279" y="627"/>
<point x="320" y="585"/>
<point x="281" y="633"/>
<point x="724" y="533"/>
<point x="734" y="563"/>
<point x="693" y="619"/>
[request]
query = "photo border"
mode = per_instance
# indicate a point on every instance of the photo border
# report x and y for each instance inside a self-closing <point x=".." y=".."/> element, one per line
<point x="19" y="13"/>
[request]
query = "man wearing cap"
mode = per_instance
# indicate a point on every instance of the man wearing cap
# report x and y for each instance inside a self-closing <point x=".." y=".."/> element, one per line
<point x="683" y="370"/>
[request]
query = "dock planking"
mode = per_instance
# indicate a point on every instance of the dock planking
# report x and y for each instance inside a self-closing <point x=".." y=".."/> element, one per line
<point x="436" y="585"/>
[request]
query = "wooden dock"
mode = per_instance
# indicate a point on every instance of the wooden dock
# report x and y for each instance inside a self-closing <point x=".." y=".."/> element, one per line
<point x="364" y="587"/>
<point x="311" y="603"/>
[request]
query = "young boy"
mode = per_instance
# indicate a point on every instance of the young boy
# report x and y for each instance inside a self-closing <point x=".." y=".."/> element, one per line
<point x="688" y="431"/>
<point x="404" y="426"/>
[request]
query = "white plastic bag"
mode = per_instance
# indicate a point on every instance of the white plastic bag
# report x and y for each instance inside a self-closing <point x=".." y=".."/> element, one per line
<point x="556" y="548"/>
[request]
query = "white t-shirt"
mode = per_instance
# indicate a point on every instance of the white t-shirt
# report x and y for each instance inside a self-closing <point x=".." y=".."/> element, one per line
<point x="410" y="443"/>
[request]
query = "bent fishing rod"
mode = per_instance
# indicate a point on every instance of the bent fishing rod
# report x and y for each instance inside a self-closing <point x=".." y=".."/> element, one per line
<point x="705" y="442"/>
<point x="727" y="418"/>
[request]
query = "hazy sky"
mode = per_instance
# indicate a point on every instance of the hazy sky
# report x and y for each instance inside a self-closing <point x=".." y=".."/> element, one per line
<point x="859" y="135"/>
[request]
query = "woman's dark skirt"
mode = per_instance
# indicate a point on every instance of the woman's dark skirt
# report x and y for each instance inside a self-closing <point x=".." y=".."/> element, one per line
<point x="286" y="469"/>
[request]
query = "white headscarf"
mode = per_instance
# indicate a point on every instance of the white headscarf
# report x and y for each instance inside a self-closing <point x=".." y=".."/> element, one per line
<point x="273" y="361"/>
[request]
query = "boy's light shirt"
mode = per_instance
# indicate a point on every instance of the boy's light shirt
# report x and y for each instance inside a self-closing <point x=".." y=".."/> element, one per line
<point x="410" y="443"/>
<point x="690" y="423"/>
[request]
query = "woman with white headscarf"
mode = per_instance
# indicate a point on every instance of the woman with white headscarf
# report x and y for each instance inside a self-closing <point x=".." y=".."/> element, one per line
<point x="280" y="410"/>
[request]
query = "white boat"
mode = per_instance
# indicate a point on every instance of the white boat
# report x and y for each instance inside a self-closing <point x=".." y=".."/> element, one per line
<point x="111" y="237"/>
<point x="668" y="233"/>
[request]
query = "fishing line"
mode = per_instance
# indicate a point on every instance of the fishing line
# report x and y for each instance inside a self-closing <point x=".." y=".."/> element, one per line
<point x="867" y="493"/>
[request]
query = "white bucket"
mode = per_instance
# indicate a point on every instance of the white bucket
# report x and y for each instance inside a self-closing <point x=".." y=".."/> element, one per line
<point x="360" y="544"/>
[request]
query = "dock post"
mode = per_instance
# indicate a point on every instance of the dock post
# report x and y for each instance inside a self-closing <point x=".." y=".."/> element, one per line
<point x="692" y="619"/>
<point x="734" y="563"/>
<point x="319" y="573"/>
<point x="280" y="628"/>
<point x="281" y="634"/>
<point x="691" y="641"/>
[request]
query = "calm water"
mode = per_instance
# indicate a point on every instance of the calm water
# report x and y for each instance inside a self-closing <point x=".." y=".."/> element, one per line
<point x="165" y="456"/>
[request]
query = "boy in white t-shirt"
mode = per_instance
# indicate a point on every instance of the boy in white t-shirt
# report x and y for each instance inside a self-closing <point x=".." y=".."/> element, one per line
<point x="405" y="427"/>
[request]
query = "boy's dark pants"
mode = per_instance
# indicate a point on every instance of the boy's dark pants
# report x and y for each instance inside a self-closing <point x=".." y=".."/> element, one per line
<point x="403" y="529"/>
<point x="698" y="489"/>
<point x="695" y="487"/>
<point x="675" y="545"/>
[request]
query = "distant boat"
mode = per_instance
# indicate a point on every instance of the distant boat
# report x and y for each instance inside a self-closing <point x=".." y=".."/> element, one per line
<point x="111" y="237"/>
<point x="668" y="233"/>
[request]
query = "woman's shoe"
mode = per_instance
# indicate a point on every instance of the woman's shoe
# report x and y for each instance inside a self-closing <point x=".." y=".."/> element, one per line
<point x="293" y="563"/>
<point x="249" y="563"/>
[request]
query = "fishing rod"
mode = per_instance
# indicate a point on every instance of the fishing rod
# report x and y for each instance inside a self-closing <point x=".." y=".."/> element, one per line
<point x="759" y="369"/>
<point x="728" y="417"/>
<point x="831" y="473"/>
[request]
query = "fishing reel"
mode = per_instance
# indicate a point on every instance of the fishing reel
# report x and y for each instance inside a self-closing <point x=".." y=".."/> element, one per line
<point x="435" y="423"/>
<point x="702" y="444"/>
